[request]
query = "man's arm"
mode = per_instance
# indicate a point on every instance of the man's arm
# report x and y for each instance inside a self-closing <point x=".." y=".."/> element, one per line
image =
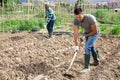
<point x="94" y="30"/>
<point x="75" y="28"/>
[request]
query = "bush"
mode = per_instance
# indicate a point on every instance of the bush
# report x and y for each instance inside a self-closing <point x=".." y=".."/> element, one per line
<point x="25" y="25"/>
<point x="115" y="18"/>
<point x="41" y="24"/>
<point x="102" y="27"/>
<point x="116" y="30"/>
<point x="108" y="17"/>
<point x="102" y="16"/>
<point x="21" y="25"/>
<point x="15" y="22"/>
<point x="5" y="26"/>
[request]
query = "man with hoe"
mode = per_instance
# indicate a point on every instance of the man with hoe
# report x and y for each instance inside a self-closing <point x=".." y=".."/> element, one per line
<point x="89" y="23"/>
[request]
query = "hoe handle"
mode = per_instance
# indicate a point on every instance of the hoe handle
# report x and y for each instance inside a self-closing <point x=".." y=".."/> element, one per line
<point x="72" y="61"/>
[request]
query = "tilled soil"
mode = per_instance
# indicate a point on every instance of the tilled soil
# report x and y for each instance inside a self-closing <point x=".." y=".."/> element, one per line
<point x="31" y="56"/>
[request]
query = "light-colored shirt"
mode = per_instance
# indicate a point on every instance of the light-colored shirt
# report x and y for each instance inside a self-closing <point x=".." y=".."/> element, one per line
<point x="50" y="15"/>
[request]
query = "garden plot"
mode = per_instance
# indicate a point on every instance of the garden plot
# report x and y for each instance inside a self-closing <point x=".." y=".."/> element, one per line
<point x="24" y="56"/>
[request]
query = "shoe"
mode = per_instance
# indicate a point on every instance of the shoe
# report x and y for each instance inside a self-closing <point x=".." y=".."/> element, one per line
<point x="96" y="59"/>
<point x="86" y="61"/>
<point x="85" y="70"/>
<point x="94" y="64"/>
<point x="50" y="35"/>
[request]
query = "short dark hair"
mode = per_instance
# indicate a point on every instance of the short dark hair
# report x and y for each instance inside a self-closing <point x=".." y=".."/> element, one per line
<point x="77" y="11"/>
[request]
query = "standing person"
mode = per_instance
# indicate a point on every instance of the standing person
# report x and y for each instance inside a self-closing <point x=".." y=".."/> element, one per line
<point x="89" y="23"/>
<point x="50" y="15"/>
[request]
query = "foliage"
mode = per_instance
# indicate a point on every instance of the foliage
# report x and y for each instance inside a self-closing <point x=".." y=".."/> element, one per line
<point x="107" y="17"/>
<point x="102" y="27"/>
<point x="115" y="18"/>
<point x="41" y="23"/>
<point x="116" y="30"/>
<point x="58" y="22"/>
<point x="8" y="4"/>
<point x="102" y="16"/>
<point x="22" y="25"/>
<point x="9" y="1"/>
<point x="70" y="8"/>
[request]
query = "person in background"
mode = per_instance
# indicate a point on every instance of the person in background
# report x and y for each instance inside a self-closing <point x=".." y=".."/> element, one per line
<point x="51" y="18"/>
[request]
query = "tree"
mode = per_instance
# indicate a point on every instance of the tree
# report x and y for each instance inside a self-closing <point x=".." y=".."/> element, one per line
<point x="79" y="3"/>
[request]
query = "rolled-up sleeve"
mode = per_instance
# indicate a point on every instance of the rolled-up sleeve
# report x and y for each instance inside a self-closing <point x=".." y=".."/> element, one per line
<point x="75" y="22"/>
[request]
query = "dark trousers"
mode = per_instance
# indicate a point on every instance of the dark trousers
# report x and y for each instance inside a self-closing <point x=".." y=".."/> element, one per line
<point x="50" y="26"/>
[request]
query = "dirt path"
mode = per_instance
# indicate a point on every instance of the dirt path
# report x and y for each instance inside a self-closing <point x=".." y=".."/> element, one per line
<point x="31" y="56"/>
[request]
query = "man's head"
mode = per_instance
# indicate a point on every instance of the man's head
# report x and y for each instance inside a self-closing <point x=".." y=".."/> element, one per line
<point x="46" y="7"/>
<point x="79" y="14"/>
